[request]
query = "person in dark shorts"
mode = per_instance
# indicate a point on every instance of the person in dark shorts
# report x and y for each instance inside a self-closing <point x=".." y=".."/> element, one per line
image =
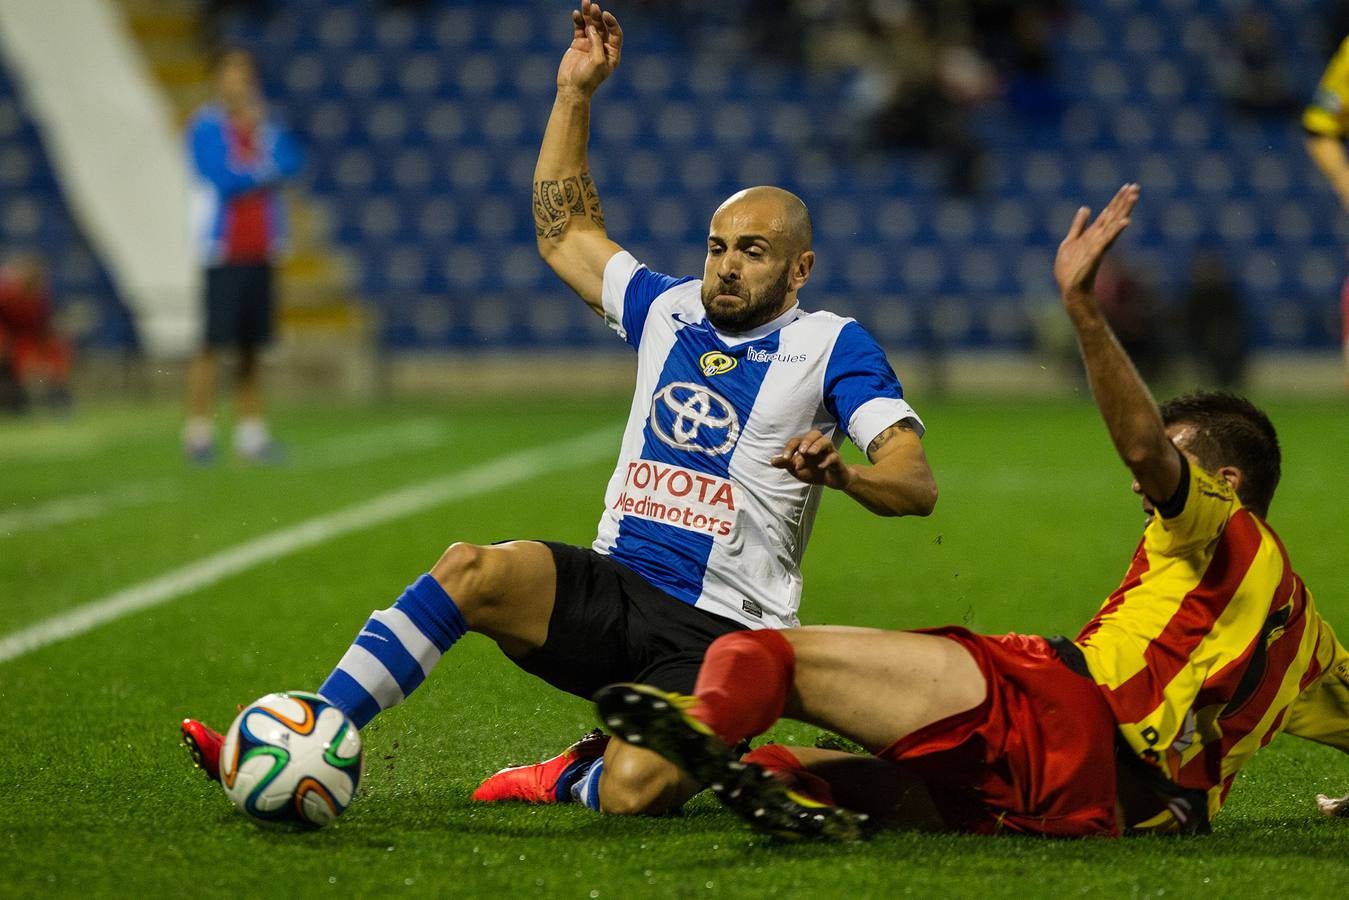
<point x="239" y="156"/>
<point x="1209" y="648"/>
<point x="729" y="446"/>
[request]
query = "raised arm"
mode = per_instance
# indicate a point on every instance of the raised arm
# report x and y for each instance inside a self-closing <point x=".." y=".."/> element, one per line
<point x="1131" y="415"/>
<point x="1329" y="155"/>
<point x="568" y="221"/>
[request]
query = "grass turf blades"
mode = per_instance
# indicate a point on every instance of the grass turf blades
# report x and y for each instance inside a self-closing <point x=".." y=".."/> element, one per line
<point x="1033" y="530"/>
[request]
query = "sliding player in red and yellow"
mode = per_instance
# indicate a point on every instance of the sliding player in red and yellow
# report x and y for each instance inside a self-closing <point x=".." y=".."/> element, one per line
<point x="1209" y="648"/>
<point x="1326" y="122"/>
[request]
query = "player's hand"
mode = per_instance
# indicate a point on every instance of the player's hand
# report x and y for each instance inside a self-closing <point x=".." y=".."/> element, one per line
<point x="596" y="45"/>
<point x="1081" y="252"/>
<point x="1329" y="806"/>
<point x="814" y="459"/>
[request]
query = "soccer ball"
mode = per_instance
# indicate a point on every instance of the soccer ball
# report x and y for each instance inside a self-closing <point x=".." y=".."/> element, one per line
<point x="291" y="757"/>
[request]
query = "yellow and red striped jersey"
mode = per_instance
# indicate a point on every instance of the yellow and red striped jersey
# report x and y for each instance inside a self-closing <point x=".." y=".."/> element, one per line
<point x="1212" y="645"/>
<point x="1328" y="112"/>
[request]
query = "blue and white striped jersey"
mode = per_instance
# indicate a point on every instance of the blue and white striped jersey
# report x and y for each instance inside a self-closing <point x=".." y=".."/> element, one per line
<point x="694" y="506"/>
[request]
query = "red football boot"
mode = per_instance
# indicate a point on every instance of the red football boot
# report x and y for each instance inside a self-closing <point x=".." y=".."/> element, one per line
<point x="544" y="782"/>
<point x="204" y="743"/>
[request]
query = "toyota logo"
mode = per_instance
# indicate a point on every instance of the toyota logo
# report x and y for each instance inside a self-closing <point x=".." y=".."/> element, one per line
<point x="694" y="418"/>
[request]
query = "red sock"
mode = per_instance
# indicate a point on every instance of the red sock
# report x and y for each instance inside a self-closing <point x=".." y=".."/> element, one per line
<point x="742" y="687"/>
<point x="788" y="769"/>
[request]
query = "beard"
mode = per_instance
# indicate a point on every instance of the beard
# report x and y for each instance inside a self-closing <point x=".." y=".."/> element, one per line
<point x="755" y="309"/>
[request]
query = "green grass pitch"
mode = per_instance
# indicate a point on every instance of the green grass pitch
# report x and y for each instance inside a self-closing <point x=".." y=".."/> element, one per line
<point x="1034" y="527"/>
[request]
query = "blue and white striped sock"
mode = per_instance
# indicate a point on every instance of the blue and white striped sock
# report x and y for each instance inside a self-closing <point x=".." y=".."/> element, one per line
<point x="586" y="788"/>
<point x="395" y="651"/>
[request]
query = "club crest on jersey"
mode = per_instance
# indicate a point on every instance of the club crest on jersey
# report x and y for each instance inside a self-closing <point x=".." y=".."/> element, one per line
<point x="714" y="362"/>
<point x="695" y="418"/>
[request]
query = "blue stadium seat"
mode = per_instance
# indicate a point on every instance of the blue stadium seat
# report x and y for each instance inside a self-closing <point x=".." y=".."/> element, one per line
<point x="690" y="120"/>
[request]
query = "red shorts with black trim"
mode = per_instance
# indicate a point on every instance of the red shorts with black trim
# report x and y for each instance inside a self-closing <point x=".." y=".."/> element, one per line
<point x="1037" y="756"/>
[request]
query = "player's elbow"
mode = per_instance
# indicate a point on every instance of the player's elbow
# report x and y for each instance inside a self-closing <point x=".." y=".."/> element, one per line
<point x="924" y="499"/>
<point x="912" y="499"/>
<point x="557" y="253"/>
<point x="547" y="247"/>
<point x="1141" y="455"/>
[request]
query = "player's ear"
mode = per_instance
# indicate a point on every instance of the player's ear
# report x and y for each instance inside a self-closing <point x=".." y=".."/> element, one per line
<point x="801" y="268"/>
<point x="1234" y="477"/>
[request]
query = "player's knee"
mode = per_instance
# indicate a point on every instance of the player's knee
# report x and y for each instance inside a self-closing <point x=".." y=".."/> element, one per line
<point x="639" y="785"/>
<point x="465" y="572"/>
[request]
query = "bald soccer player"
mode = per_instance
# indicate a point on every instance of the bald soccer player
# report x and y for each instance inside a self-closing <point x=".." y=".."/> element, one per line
<point x="728" y="446"/>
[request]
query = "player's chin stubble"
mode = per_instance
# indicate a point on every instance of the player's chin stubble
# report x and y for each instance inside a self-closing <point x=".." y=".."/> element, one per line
<point x="756" y="309"/>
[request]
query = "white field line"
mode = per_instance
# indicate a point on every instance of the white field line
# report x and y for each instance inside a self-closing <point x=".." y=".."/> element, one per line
<point x="388" y="507"/>
<point x="63" y="510"/>
<point x="377" y="443"/>
<point x="345" y="450"/>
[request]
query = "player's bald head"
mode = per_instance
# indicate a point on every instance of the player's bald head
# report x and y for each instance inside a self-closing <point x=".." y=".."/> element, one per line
<point x="778" y="211"/>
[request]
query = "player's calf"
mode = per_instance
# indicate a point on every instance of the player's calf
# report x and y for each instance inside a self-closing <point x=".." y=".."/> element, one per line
<point x="637" y="782"/>
<point x="650" y="718"/>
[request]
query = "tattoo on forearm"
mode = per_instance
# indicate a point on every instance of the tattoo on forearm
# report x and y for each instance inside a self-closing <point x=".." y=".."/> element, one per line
<point x="591" y="198"/>
<point x="885" y="436"/>
<point x="557" y="202"/>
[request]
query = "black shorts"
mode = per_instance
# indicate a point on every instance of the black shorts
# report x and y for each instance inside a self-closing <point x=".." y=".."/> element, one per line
<point x="239" y="305"/>
<point x="610" y="625"/>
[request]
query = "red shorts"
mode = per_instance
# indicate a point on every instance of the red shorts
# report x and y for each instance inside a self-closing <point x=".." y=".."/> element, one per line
<point x="1037" y="756"/>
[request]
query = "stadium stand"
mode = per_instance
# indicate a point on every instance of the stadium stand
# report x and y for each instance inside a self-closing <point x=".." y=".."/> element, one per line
<point x="34" y="219"/>
<point x="422" y="129"/>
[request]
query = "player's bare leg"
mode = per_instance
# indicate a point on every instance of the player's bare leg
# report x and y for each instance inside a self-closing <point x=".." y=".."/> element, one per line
<point x="890" y="795"/>
<point x="504" y="591"/>
<point x="640" y="782"/>
<point x="872" y="686"/>
<point x="198" y="441"/>
<point x="252" y="439"/>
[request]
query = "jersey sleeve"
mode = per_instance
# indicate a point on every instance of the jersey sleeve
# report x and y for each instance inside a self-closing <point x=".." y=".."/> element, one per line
<point x="287" y="155"/>
<point x="1324" y="115"/>
<point x="210" y="157"/>
<point x="1206" y="503"/>
<point x="861" y="391"/>
<point x="1321" y="712"/>
<point x="627" y="294"/>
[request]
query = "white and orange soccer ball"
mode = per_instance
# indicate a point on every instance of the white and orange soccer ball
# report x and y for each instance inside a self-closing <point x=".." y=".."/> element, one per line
<point x="293" y="758"/>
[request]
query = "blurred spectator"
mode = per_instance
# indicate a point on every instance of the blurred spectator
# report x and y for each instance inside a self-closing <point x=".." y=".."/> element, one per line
<point x="1254" y="76"/>
<point x="1334" y="25"/>
<point x="916" y="79"/>
<point x="1215" y="322"/>
<point x="239" y="156"/>
<point x="776" y="28"/>
<point x="34" y="357"/>
<point x="1017" y="38"/>
<point x="1130" y="306"/>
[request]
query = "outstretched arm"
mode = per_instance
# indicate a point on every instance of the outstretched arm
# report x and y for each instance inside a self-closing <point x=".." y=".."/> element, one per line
<point x="1130" y="413"/>
<point x="899" y="481"/>
<point x="1329" y="155"/>
<point x="568" y="221"/>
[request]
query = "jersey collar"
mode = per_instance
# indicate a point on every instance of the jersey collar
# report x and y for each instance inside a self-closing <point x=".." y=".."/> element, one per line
<point x="764" y="330"/>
